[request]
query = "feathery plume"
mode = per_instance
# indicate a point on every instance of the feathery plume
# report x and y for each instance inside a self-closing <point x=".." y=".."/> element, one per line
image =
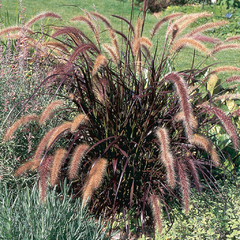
<point x="138" y="42"/>
<point x="17" y="124"/>
<point x="233" y="79"/>
<point x="207" y="145"/>
<point x="203" y="38"/>
<point x="182" y="42"/>
<point x="58" y="130"/>
<point x="205" y="27"/>
<point x="184" y="183"/>
<point x="234" y="38"/>
<point x="56" y="45"/>
<point x="225" y="69"/>
<point x="101" y="60"/>
<point x="94" y="179"/>
<point x="145" y="41"/>
<point x="114" y="42"/>
<point x="165" y="19"/>
<point x="166" y="155"/>
<point x="226" y="121"/>
<point x="225" y="47"/>
<point x="23" y="168"/>
<point x="47" y="112"/>
<point x="227" y="96"/>
<point x="57" y="163"/>
<point x="104" y="19"/>
<point x="180" y="117"/>
<point x="76" y="160"/>
<point x="79" y="119"/>
<point x="186" y="20"/>
<point x="182" y="90"/>
<point x="14" y="29"/>
<point x="44" y="172"/>
<point x="138" y="28"/>
<point x="41" y="16"/>
<point x="156" y="209"/>
<point x="99" y="87"/>
<point x="89" y="23"/>
<point x="136" y="46"/>
<point x="111" y="52"/>
<point x="41" y="147"/>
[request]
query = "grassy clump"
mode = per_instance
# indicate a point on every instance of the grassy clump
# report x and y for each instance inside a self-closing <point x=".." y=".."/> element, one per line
<point x="131" y="132"/>
<point x="23" y="216"/>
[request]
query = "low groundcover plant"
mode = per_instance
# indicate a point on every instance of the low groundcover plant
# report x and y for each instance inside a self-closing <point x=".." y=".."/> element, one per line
<point x="136" y="132"/>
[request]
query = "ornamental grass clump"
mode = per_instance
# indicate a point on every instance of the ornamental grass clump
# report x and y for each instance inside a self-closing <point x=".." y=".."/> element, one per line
<point x="135" y="132"/>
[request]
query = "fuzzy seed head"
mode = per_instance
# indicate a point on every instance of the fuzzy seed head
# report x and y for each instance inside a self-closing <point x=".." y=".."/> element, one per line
<point x="94" y="179"/>
<point x="57" y="163"/>
<point x="47" y="112"/>
<point x="17" y="124"/>
<point x="76" y="160"/>
<point x="101" y="60"/>
<point x="79" y="119"/>
<point x="166" y="155"/>
<point x="156" y="209"/>
<point x="59" y="130"/>
<point x="207" y="145"/>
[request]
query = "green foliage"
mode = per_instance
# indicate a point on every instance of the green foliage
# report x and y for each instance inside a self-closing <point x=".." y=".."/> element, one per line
<point x="212" y="216"/>
<point x="23" y="216"/>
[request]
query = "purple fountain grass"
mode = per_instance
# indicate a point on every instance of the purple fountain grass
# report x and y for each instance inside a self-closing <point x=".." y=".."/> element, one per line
<point x="56" y="166"/>
<point x="101" y="61"/>
<point x="117" y="96"/>
<point x="225" y="69"/>
<point x="23" y="168"/>
<point x="194" y="173"/>
<point x="114" y="42"/>
<point x="18" y="123"/>
<point x="163" y="20"/>
<point x="76" y="160"/>
<point x="222" y="47"/>
<point x="42" y="145"/>
<point x="181" y="117"/>
<point x="112" y="53"/>
<point x="233" y="79"/>
<point x="94" y="179"/>
<point x="207" y="145"/>
<point x="90" y="24"/>
<point x="203" y="38"/>
<point x="41" y="16"/>
<point x="103" y="19"/>
<point x="226" y="122"/>
<point x="184" y="183"/>
<point x="79" y="119"/>
<point x="183" y="22"/>
<point x="57" y="131"/>
<point x="166" y="155"/>
<point x="55" y="45"/>
<point x="234" y="38"/>
<point x="14" y="29"/>
<point x="156" y="209"/>
<point x="47" y="112"/>
<point x="44" y="173"/>
<point x="228" y="96"/>
<point x="205" y="27"/>
<point x="186" y="108"/>
<point x="182" y="42"/>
